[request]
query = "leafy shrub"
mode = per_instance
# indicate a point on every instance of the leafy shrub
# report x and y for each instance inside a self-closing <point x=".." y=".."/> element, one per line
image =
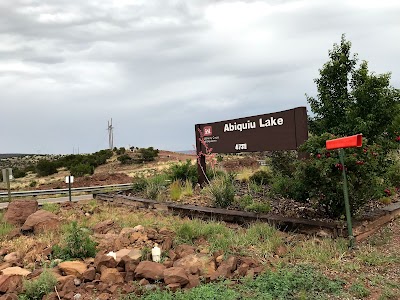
<point x="125" y="159"/>
<point x="77" y="244"/>
<point x="139" y="184"/>
<point x="261" y="177"/>
<point x="145" y="155"/>
<point x="283" y="162"/>
<point x="17" y="173"/>
<point x="258" y="207"/>
<point x="359" y="290"/>
<point x="184" y="171"/>
<point x="81" y="170"/>
<point x="244" y="201"/>
<point x="33" y="183"/>
<point x="393" y="174"/>
<point x="36" y="289"/>
<point x="120" y="151"/>
<point x="175" y="190"/>
<point x="46" y="167"/>
<point x="320" y="176"/>
<point x="221" y="190"/>
<point x="156" y="185"/>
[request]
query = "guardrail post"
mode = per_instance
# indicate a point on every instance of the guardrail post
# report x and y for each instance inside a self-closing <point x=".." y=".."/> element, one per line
<point x="8" y="184"/>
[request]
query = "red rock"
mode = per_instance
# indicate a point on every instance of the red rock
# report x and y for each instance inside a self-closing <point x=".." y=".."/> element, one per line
<point x="231" y="262"/>
<point x="41" y="221"/>
<point x="89" y="274"/>
<point x="184" y="250"/>
<point x="242" y="270"/>
<point x="194" y="280"/>
<point x="150" y="270"/>
<point x="104" y="296"/>
<point x="10" y="283"/>
<point x="103" y="227"/>
<point x="175" y="275"/>
<point x="104" y="260"/>
<point x="76" y="268"/>
<point x="12" y="257"/>
<point x="203" y="262"/>
<point x="111" y="276"/>
<point x="281" y="251"/>
<point x="143" y="282"/>
<point x="9" y="297"/>
<point x="19" y="210"/>
<point x="167" y="244"/>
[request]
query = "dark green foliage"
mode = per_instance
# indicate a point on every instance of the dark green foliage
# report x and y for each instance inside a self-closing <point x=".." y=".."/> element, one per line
<point x="33" y="183"/>
<point x="36" y="289"/>
<point x="258" y="207"/>
<point x="17" y="173"/>
<point x="120" y="151"/>
<point x="30" y="168"/>
<point x="283" y="162"/>
<point x="393" y="174"/>
<point x="146" y="154"/>
<point x="183" y="171"/>
<point x="81" y="170"/>
<point x="46" y="167"/>
<point x="125" y="159"/>
<point x="94" y="160"/>
<point x="139" y="184"/>
<point x="261" y="177"/>
<point x="352" y="100"/>
<point x="359" y="290"/>
<point x="77" y="244"/>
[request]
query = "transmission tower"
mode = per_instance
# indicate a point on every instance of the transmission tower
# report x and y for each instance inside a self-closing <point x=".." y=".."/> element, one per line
<point x="110" y="135"/>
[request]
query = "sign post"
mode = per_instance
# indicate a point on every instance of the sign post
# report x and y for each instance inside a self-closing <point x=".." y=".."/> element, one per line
<point x="285" y="130"/>
<point x="341" y="143"/>
<point x="69" y="179"/>
<point x="7" y="177"/>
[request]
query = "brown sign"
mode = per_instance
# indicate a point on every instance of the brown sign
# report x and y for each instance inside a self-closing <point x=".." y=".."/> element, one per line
<point x="285" y="130"/>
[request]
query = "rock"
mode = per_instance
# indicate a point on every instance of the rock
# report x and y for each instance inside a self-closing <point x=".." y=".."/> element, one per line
<point x="126" y="231"/>
<point x="121" y="253"/>
<point x="9" y="297"/>
<point x="203" y="262"/>
<point x="77" y="296"/>
<point x="111" y="276"/>
<point x="194" y="280"/>
<point x="5" y="265"/>
<point x="138" y="237"/>
<point x="242" y="270"/>
<point x="150" y="270"/>
<point x="231" y="263"/>
<point x="175" y="275"/>
<point x="104" y="260"/>
<point x="104" y="227"/>
<point x="12" y="257"/>
<point x="173" y="287"/>
<point x="103" y="296"/>
<point x="143" y="282"/>
<point x="10" y="283"/>
<point x="89" y="274"/>
<point x="135" y="255"/>
<point x="40" y="221"/>
<point x="76" y="268"/>
<point x="19" y="210"/>
<point x="15" y="271"/>
<point x="139" y="228"/>
<point x="14" y="233"/>
<point x="167" y="244"/>
<point x="77" y="281"/>
<point x="184" y="250"/>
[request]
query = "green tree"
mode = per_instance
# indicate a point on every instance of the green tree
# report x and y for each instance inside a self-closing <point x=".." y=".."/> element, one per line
<point x="351" y="99"/>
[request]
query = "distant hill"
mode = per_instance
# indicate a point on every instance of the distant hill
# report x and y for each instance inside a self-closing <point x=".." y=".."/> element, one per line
<point x="191" y="152"/>
<point x="8" y="155"/>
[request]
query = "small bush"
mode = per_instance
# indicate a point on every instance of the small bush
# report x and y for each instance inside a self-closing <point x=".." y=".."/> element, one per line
<point x="145" y="155"/>
<point x="175" y="190"/>
<point x="36" y="289"/>
<point x="77" y="244"/>
<point x="125" y="159"/>
<point x="221" y="190"/>
<point x="33" y="183"/>
<point x="283" y="162"/>
<point x="244" y="175"/>
<point x="261" y="177"/>
<point x="259" y="207"/>
<point x="184" y="171"/>
<point x="139" y="184"/>
<point x="244" y="201"/>
<point x="120" y="151"/>
<point x="155" y="186"/>
<point x="359" y="290"/>
<point x="46" y="167"/>
<point x="81" y="170"/>
<point x="17" y="173"/>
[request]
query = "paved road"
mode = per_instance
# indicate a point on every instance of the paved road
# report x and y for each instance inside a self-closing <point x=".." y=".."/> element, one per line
<point x="56" y="200"/>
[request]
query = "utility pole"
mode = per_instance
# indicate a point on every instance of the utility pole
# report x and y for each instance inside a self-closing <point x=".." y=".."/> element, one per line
<point x="110" y="135"/>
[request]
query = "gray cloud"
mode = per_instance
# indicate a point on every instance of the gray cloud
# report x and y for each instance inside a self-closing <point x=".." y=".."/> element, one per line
<point x="159" y="67"/>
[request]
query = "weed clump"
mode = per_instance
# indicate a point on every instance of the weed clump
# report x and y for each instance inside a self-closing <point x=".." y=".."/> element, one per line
<point x="221" y="191"/>
<point x="77" y="244"/>
<point x="36" y="289"/>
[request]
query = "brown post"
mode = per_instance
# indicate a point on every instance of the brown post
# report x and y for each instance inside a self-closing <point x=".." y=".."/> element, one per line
<point x="201" y="159"/>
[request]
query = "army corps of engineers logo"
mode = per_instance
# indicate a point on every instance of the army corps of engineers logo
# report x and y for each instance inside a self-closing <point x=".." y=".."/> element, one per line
<point x="207" y="130"/>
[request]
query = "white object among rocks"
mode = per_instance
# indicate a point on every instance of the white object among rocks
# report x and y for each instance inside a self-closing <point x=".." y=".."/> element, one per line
<point x="156" y="253"/>
<point x="112" y="254"/>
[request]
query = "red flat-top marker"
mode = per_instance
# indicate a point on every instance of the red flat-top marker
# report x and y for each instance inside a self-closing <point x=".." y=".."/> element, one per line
<point x="345" y="142"/>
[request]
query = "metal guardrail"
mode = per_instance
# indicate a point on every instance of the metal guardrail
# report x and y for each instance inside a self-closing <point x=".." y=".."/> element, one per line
<point x="101" y="188"/>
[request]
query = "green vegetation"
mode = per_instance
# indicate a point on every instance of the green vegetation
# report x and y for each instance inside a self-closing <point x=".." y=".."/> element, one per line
<point x="36" y="289"/>
<point x="77" y="244"/>
<point x="156" y="185"/>
<point x="261" y="177"/>
<point x="175" y="190"/>
<point x="183" y="172"/>
<point x="51" y="207"/>
<point x="221" y="191"/>
<point x="46" y="167"/>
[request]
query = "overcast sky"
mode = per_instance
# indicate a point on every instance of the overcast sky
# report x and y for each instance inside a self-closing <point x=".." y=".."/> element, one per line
<point x="159" y="67"/>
